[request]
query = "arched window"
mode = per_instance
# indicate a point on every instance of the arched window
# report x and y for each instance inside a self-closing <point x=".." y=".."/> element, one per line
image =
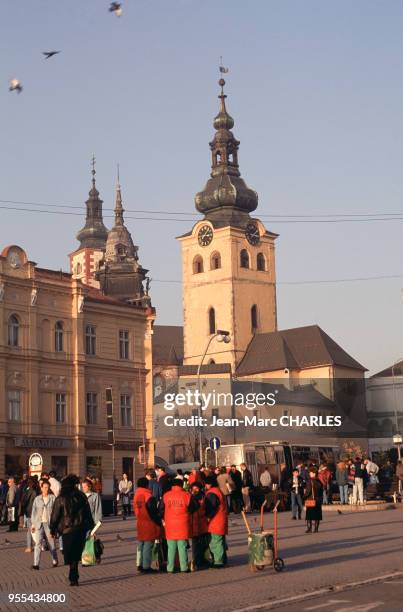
<point x="211" y="321"/>
<point x="244" y="259"/>
<point x="59" y="337"/>
<point x="211" y="362"/>
<point x="198" y="265"/>
<point x="253" y="318"/>
<point x="13" y="331"/>
<point x="261" y="262"/>
<point x="215" y="261"/>
<point x="78" y="268"/>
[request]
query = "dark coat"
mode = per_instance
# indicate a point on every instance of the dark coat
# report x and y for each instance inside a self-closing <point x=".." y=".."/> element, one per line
<point x="237" y="479"/>
<point x="247" y="480"/>
<point x="301" y="485"/>
<point x="27" y="501"/>
<point x="71" y="512"/>
<point x="314" y="490"/>
<point x="71" y="517"/>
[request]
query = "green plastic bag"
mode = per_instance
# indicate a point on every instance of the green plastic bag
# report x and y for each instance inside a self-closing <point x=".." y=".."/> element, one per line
<point x="88" y="557"/>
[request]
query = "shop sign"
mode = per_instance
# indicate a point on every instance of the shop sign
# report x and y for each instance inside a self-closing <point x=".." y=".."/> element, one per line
<point x="42" y="442"/>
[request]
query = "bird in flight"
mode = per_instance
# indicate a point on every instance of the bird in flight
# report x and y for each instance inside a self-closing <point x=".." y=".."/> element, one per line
<point x="116" y="7"/>
<point x="49" y="54"/>
<point x="15" y="85"/>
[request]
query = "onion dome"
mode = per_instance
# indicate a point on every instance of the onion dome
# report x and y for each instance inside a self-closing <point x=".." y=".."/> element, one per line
<point x="226" y="198"/>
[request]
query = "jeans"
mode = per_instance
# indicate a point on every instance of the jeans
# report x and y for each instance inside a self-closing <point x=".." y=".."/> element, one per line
<point x="29" y="533"/>
<point x="246" y="499"/>
<point x="325" y="496"/>
<point x="144" y="554"/>
<point x="296" y="504"/>
<point x="358" y="491"/>
<point x="343" y="490"/>
<point x="38" y="536"/>
<point x="183" y="554"/>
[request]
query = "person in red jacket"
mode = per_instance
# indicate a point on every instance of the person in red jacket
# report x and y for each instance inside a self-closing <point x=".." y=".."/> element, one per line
<point x="217" y="515"/>
<point x="199" y="528"/>
<point x="148" y="524"/>
<point x="176" y="507"/>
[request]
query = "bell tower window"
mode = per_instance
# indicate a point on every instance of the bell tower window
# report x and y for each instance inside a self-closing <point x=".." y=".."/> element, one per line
<point x="211" y="321"/>
<point x="244" y="259"/>
<point x="261" y="262"/>
<point x="215" y="261"/>
<point x="198" y="267"/>
<point x="253" y="319"/>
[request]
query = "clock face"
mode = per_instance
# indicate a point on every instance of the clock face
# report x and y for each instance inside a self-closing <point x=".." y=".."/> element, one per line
<point x="205" y="235"/>
<point x="252" y="234"/>
<point x="14" y="259"/>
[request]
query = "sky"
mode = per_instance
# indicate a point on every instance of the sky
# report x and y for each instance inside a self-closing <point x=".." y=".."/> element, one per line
<point x="316" y="91"/>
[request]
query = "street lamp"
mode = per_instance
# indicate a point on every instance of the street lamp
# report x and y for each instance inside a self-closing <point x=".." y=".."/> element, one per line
<point x="399" y="361"/>
<point x="398" y="440"/>
<point x="222" y="336"/>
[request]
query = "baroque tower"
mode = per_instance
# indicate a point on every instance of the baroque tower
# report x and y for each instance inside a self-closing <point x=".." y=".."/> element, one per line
<point x="228" y="259"/>
<point x="120" y="274"/>
<point x="92" y="237"/>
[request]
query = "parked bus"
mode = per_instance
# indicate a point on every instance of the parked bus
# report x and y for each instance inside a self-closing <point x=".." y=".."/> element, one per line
<point x="279" y="457"/>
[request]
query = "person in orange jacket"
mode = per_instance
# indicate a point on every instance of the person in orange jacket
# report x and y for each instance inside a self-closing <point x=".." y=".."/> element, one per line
<point x="199" y="528"/>
<point x="217" y="515"/>
<point x="176" y="507"/>
<point x="148" y="524"/>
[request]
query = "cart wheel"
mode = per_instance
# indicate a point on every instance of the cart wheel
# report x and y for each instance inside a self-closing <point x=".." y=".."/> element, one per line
<point x="278" y="564"/>
<point x="259" y="567"/>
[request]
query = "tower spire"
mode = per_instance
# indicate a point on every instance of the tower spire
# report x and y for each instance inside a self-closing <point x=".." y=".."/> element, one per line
<point x="226" y="199"/>
<point x="119" y="210"/>
<point x="94" y="232"/>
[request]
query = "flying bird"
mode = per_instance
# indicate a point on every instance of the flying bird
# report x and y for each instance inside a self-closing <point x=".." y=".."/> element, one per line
<point x="116" y="7"/>
<point x="49" y="54"/>
<point x="15" y="85"/>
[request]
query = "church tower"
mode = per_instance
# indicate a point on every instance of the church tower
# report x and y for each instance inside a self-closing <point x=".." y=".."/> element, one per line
<point x="120" y="274"/>
<point x="228" y="259"/>
<point x="92" y="237"/>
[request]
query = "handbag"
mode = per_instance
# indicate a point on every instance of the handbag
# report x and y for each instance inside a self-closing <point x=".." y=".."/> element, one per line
<point x="311" y="503"/>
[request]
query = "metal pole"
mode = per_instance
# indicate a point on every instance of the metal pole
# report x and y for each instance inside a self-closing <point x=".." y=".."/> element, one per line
<point x="200" y="402"/>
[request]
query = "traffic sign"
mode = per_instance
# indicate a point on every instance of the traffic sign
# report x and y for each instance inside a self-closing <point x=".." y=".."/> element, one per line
<point x="214" y="443"/>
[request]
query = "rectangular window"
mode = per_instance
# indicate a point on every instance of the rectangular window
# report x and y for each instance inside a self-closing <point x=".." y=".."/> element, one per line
<point x="215" y="413"/>
<point x="123" y="344"/>
<point x="125" y="411"/>
<point x="90" y="340"/>
<point x="92" y="408"/>
<point x="94" y="466"/>
<point x="14" y="405"/>
<point x="60" y="407"/>
<point x="195" y="412"/>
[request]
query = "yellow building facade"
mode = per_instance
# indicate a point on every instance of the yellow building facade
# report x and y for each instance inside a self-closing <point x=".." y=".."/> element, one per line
<point x="62" y="344"/>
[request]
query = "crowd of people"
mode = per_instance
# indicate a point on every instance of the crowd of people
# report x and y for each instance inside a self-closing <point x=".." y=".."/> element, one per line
<point x="176" y="512"/>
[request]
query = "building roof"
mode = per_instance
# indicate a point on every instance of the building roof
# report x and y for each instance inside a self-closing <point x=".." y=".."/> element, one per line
<point x="300" y="347"/>
<point x="167" y="345"/>
<point x="393" y="370"/>
<point x="208" y="368"/>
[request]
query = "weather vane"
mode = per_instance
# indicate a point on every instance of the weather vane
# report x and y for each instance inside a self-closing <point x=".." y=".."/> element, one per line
<point x="222" y="69"/>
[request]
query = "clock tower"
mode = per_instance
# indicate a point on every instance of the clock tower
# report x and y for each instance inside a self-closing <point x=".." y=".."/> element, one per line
<point x="228" y="259"/>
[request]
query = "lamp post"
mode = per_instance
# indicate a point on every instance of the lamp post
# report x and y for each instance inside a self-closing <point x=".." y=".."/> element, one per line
<point x="222" y="336"/>
<point x="398" y="361"/>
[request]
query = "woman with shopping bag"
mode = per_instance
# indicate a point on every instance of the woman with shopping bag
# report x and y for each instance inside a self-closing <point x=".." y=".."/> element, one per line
<point x="313" y="501"/>
<point x="71" y="518"/>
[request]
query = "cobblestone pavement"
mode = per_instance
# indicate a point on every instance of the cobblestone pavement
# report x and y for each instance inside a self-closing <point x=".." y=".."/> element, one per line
<point x="348" y="548"/>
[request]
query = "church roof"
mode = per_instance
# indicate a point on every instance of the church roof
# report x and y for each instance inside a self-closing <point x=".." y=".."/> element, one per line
<point x="296" y="348"/>
<point x="167" y="345"/>
<point x="300" y="347"/>
<point x="393" y="370"/>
